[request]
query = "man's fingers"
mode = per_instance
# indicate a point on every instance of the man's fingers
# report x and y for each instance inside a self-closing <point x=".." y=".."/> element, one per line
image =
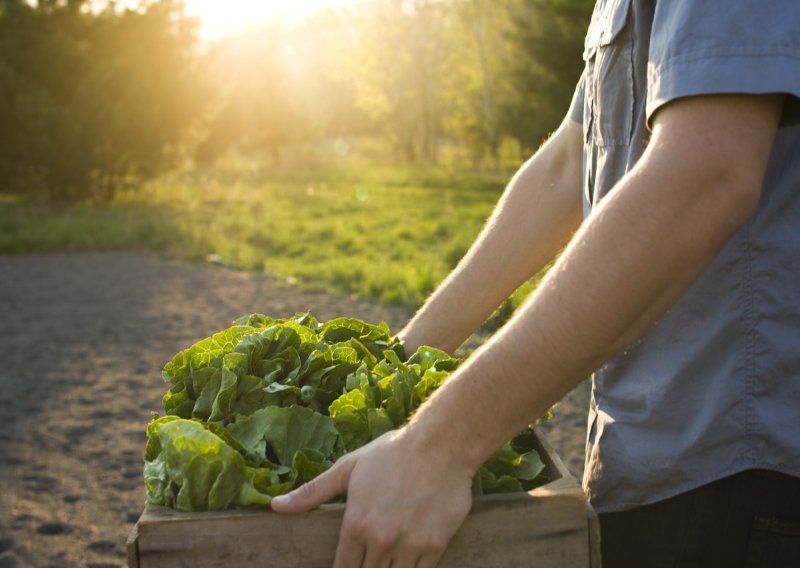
<point x="423" y="554"/>
<point x="316" y="492"/>
<point x="349" y="553"/>
<point x="405" y="559"/>
<point x="430" y="560"/>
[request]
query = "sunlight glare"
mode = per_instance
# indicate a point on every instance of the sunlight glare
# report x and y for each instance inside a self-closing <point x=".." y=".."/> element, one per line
<point x="219" y="18"/>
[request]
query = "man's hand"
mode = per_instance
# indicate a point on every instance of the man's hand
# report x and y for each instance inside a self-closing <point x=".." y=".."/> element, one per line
<point x="697" y="183"/>
<point x="404" y="504"/>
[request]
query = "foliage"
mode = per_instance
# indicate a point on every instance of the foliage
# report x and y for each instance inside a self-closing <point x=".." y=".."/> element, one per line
<point x="266" y="405"/>
<point x="386" y="233"/>
<point x="276" y="86"/>
<point x="93" y="101"/>
<point x="402" y="56"/>
<point x="212" y="474"/>
<point x="477" y="86"/>
<point x="548" y="35"/>
<point x="261" y="361"/>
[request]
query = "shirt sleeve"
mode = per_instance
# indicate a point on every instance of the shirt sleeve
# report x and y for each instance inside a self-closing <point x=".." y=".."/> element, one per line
<point x="702" y="47"/>
<point x="575" y="113"/>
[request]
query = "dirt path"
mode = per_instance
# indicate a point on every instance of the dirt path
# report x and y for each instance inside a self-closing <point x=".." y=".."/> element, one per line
<point x="83" y="338"/>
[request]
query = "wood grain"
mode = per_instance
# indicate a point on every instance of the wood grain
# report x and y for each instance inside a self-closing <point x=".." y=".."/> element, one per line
<point x="551" y="526"/>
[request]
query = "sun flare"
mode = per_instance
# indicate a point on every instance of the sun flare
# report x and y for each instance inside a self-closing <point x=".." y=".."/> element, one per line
<point x="219" y="18"/>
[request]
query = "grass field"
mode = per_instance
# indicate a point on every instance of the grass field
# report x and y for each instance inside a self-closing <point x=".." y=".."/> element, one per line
<point x="379" y="232"/>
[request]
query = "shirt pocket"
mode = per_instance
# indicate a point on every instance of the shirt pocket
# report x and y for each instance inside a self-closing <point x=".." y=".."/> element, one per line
<point x="608" y="53"/>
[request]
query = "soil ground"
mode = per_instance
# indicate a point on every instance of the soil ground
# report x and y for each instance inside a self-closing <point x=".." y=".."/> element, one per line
<point x="83" y="338"/>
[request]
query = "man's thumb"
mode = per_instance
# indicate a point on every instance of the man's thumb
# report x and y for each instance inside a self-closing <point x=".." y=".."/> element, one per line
<point x="314" y="493"/>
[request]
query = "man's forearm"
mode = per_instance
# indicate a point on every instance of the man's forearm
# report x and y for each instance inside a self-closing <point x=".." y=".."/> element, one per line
<point x="534" y="219"/>
<point x="651" y="237"/>
<point x="654" y="233"/>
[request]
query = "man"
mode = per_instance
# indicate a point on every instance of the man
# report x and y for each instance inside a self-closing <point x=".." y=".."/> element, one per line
<point x="680" y="290"/>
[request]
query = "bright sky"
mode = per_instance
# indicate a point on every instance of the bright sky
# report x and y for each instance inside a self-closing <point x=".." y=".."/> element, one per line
<point x="223" y="17"/>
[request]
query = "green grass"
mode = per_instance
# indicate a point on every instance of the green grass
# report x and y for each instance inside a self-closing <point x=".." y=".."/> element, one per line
<point x="379" y="232"/>
<point x="29" y="226"/>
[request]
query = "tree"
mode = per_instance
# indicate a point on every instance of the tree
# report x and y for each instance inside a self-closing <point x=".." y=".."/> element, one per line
<point x="401" y="55"/>
<point x="256" y="109"/>
<point x="278" y="85"/>
<point x="548" y="42"/>
<point x="478" y="85"/>
<point x="93" y="100"/>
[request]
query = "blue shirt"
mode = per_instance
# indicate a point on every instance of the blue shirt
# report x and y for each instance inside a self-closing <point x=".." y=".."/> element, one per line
<point x="713" y="388"/>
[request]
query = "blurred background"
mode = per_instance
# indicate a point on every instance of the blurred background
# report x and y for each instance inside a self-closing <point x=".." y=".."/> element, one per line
<point x="354" y="146"/>
<point x="340" y="155"/>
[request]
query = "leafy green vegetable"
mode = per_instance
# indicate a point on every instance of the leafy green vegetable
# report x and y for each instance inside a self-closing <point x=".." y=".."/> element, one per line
<point x="274" y="434"/>
<point x="261" y="361"/>
<point x="261" y="407"/>
<point x="193" y="469"/>
<point x="507" y="472"/>
<point x="383" y="398"/>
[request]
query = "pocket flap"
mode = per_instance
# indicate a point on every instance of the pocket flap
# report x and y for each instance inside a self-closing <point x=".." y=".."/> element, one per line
<point x="608" y="20"/>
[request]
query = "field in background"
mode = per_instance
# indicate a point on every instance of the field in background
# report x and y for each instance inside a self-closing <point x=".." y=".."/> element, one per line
<point x="388" y="233"/>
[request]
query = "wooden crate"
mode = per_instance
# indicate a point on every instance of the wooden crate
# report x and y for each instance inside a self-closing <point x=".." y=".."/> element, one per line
<point x="552" y="526"/>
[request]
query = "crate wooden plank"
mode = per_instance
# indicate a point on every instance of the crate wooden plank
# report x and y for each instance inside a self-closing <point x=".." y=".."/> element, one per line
<point x="552" y="524"/>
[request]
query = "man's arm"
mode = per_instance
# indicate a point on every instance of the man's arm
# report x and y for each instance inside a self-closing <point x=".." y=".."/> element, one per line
<point x="697" y="183"/>
<point x="532" y="222"/>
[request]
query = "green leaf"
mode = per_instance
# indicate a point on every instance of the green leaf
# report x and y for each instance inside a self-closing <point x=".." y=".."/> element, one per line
<point x="178" y="404"/>
<point x="379" y="422"/>
<point x="530" y="466"/>
<point x="432" y="358"/>
<point x="353" y="429"/>
<point x="286" y="431"/>
<point x="255" y="321"/>
<point x="250" y="395"/>
<point x="195" y="470"/>
<point x="272" y="403"/>
<point x="203" y="353"/>
<point x="308" y="464"/>
<point x="342" y="329"/>
<point x="217" y="399"/>
<point x="506" y="470"/>
<point x="204" y="405"/>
